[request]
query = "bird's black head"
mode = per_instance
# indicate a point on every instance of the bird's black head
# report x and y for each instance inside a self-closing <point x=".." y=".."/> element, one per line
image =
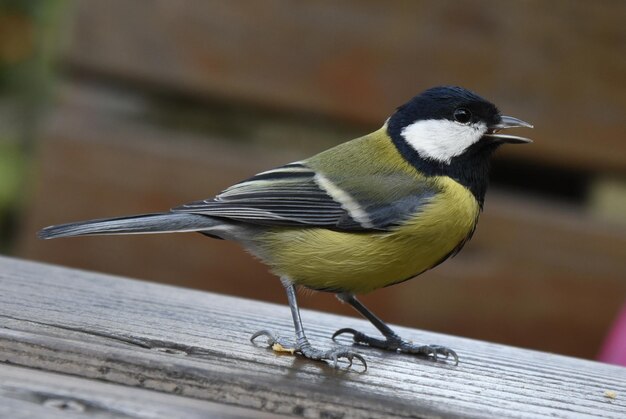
<point x="451" y="131"/>
<point x="447" y="104"/>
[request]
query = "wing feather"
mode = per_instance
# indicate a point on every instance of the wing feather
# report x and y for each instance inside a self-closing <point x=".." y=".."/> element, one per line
<point x="288" y="195"/>
<point x="295" y="195"/>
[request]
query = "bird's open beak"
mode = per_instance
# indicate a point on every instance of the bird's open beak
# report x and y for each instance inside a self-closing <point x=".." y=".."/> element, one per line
<point x="508" y="122"/>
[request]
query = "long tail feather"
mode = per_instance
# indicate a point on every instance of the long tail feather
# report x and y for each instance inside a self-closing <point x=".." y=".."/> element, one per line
<point x="136" y="224"/>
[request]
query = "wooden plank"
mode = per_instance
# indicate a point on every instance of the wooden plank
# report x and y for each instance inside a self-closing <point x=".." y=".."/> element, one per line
<point x="361" y="59"/>
<point x="195" y="344"/>
<point x="28" y="393"/>
<point x="530" y="276"/>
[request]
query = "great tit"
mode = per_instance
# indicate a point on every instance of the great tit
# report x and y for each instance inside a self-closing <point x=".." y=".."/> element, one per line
<point x="366" y="214"/>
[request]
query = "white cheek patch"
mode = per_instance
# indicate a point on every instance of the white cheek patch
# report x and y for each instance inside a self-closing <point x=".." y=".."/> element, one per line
<point x="441" y="139"/>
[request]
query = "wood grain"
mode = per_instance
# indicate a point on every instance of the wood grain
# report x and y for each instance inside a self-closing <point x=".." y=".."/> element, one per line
<point x="195" y="344"/>
<point x="28" y="393"/>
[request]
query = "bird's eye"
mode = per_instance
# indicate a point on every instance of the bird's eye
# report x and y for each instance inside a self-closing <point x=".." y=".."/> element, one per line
<point x="462" y="115"/>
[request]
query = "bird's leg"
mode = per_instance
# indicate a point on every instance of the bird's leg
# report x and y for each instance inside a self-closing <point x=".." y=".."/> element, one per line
<point x="392" y="341"/>
<point x="302" y="345"/>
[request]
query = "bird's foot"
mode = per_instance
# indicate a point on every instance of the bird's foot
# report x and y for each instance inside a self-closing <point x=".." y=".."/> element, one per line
<point x="304" y="348"/>
<point x="395" y="343"/>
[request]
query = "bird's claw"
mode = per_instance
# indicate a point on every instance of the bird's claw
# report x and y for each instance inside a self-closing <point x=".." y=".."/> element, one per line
<point x="355" y="333"/>
<point x="306" y="350"/>
<point x="270" y="337"/>
<point x="338" y="353"/>
<point x="396" y="344"/>
<point x="434" y="351"/>
<point x="277" y="344"/>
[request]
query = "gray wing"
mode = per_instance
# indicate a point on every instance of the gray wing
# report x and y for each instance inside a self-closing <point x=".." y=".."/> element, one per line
<point x="296" y="195"/>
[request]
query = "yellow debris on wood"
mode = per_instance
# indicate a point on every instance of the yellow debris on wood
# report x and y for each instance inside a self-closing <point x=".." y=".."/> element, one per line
<point x="277" y="347"/>
<point x="610" y="394"/>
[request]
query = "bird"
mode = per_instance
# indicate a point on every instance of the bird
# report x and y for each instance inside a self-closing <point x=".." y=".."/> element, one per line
<point x="368" y="213"/>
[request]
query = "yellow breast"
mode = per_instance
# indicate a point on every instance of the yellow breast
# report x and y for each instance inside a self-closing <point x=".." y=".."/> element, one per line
<point x="361" y="262"/>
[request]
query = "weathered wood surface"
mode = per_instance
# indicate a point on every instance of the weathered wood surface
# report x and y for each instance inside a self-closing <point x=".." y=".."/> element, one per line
<point x="558" y="64"/>
<point x="195" y="345"/>
<point x="28" y="393"/>
<point x="530" y="276"/>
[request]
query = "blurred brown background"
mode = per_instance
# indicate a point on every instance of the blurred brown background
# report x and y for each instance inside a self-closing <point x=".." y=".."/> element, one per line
<point x="157" y="103"/>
